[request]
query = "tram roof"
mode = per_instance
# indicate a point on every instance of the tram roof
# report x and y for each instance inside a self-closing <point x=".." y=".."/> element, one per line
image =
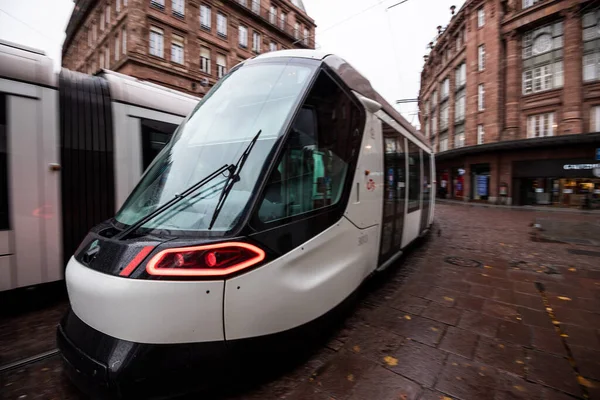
<point x="354" y="79"/>
<point x="25" y="64"/>
<point x="130" y="90"/>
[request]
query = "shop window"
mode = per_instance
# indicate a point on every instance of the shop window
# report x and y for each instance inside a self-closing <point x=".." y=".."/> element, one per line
<point x="543" y="58"/>
<point x="4" y="210"/>
<point x="591" y="46"/>
<point x="541" y="125"/>
<point x="319" y="154"/>
<point x="414" y="177"/>
<point x="480" y="181"/>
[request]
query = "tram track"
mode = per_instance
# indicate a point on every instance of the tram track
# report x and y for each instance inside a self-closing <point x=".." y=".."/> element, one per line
<point x="28" y="360"/>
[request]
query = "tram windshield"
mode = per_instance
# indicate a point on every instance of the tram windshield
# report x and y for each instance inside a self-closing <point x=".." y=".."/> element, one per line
<point x="260" y="96"/>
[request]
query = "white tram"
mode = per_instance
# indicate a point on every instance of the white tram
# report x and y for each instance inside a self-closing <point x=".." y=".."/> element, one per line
<point x="72" y="147"/>
<point x="290" y="184"/>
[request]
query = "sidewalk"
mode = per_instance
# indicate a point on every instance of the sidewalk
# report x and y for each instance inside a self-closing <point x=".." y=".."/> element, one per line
<point x="480" y="312"/>
<point x="518" y="208"/>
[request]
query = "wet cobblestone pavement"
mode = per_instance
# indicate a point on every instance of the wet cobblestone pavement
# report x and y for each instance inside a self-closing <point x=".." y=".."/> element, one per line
<point x="522" y="322"/>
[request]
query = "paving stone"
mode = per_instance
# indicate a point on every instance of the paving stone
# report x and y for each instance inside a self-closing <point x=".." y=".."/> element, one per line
<point x="500" y="310"/>
<point x="589" y="369"/>
<point x="420" y="329"/>
<point x="535" y="318"/>
<point x="341" y="374"/>
<point x="455" y="285"/>
<point x="373" y="343"/>
<point x="306" y="391"/>
<point x="481" y="291"/>
<point x="551" y="394"/>
<point x="552" y="371"/>
<point x="429" y="394"/>
<point x="504" y="295"/>
<point x="548" y="340"/>
<point x="467" y="380"/>
<point x="479" y="323"/>
<point x="459" y="341"/>
<point x="584" y="353"/>
<point x="511" y="387"/>
<point x="443" y="296"/>
<point x="515" y="333"/>
<point x="577" y="317"/>
<point x="530" y="301"/>
<point x="502" y="355"/>
<point x="418" y="362"/>
<point x="382" y="384"/>
<point x="409" y="304"/>
<point x="470" y="303"/>
<point x="385" y="317"/>
<point x="441" y="313"/>
<point x="417" y="289"/>
<point x="525" y="287"/>
<point x="580" y="336"/>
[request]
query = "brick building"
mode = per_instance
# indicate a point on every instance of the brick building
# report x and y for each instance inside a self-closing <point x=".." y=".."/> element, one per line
<point x="183" y="44"/>
<point x="510" y="97"/>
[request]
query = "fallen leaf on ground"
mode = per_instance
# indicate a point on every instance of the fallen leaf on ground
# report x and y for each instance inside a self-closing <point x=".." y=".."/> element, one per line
<point x="356" y="349"/>
<point x="487" y="266"/>
<point x="565" y="298"/>
<point x="519" y="388"/>
<point x="519" y="362"/>
<point x="572" y="269"/>
<point x="446" y="398"/>
<point x="407" y="317"/>
<point x="350" y="377"/>
<point x="434" y="329"/>
<point x="391" y="361"/>
<point x="584" y="382"/>
<point x="448" y="298"/>
<point x="501" y="345"/>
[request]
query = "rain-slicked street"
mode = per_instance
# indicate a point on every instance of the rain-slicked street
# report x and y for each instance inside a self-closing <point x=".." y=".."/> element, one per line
<point x="497" y="304"/>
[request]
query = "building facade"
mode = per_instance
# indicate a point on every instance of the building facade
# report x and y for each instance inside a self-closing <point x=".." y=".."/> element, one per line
<point x="186" y="45"/>
<point x="510" y="98"/>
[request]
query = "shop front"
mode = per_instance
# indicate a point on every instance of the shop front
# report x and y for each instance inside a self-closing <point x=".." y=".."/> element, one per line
<point x="557" y="182"/>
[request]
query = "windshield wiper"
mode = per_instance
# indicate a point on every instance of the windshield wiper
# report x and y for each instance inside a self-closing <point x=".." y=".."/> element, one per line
<point x="176" y="199"/>
<point x="234" y="176"/>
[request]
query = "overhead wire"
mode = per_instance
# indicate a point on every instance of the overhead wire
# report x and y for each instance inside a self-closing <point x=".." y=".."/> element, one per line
<point x="342" y="21"/>
<point x="45" y="36"/>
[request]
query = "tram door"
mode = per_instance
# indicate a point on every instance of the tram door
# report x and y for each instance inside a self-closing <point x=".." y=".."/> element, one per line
<point x="427" y="189"/>
<point x="394" y="163"/>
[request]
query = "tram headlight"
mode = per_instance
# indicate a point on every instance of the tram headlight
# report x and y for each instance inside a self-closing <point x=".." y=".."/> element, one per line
<point x="213" y="260"/>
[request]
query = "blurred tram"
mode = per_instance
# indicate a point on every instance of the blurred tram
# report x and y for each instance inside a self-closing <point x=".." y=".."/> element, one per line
<point x="72" y="147"/>
<point x="289" y="184"/>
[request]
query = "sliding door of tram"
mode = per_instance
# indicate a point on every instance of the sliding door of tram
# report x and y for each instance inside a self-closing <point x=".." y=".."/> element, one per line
<point x="414" y="207"/>
<point x="426" y="162"/>
<point x="394" y="163"/>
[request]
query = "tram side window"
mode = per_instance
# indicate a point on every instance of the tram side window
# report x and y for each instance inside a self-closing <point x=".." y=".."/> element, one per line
<point x="414" y="176"/>
<point x="4" y="219"/>
<point x="319" y="153"/>
<point x="155" y="136"/>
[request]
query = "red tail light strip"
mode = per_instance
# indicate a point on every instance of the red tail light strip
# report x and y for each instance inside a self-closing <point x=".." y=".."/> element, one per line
<point x="153" y="269"/>
<point x="136" y="261"/>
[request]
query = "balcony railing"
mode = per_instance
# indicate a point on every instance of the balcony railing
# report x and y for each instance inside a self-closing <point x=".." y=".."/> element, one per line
<point x="254" y="7"/>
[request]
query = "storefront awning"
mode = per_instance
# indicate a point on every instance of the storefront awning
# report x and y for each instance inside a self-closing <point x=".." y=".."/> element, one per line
<point x="521" y="144"/>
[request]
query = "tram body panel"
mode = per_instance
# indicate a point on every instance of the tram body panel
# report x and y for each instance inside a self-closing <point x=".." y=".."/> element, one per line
<point x="145" y="311"/>
<point x="26" y="183"/>
<point x="364" y="205"/>
<point x="303" y="285"/>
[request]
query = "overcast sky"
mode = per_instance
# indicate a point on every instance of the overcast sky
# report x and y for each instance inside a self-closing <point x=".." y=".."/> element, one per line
<point x="387" y="46"/>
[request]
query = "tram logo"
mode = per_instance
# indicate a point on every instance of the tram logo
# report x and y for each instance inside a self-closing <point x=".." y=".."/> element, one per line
<point x="371" y="185"/>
